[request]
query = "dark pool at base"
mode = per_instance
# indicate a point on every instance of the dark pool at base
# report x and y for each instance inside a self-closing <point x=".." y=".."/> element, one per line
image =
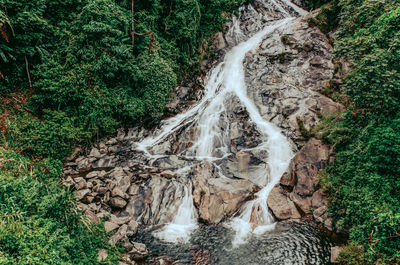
<point x="289" y="243"/>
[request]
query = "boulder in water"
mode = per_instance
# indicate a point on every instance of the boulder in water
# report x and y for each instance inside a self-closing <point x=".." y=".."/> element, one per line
<point x="280" y="204"/>
<point x="218" y="198"/>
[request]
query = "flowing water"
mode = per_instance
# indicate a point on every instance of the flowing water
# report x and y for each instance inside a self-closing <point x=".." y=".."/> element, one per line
<point x="288" y="244"/>
<point x="247" y="231"/>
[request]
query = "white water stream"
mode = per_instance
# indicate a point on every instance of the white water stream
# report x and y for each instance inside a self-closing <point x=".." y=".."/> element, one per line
<point x="227" y="79"/>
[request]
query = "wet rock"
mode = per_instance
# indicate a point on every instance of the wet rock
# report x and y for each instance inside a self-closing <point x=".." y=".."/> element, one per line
<point x="243" y="159"/>
<point x="217" y="198"/>
<point x="201" y="257"/>
<point x="301" y="184"/>
<point x="288" y="180"/>
<point x="282" y="207"/>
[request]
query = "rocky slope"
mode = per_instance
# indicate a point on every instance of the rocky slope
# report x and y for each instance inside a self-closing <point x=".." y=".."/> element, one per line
<point x="127" y="187"/>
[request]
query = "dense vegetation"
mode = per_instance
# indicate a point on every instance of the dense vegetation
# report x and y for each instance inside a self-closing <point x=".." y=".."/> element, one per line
<point x="364" y="181"/>
<point x="71" y="71"/>
<point x="38" y="220"/>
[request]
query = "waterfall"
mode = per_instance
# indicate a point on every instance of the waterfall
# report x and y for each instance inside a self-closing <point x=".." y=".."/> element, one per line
<point x="227" y="80"/>
<point x="184" y="222"/>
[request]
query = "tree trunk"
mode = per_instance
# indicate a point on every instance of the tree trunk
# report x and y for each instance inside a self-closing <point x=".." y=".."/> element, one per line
<point x="133" y="24"/>
<point x="27" y="73"/>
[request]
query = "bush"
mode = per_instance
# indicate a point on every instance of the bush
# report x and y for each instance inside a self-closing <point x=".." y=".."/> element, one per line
<point x="363" y="183"/>
<point x="39" y="223"/>
<point x="54" y="136"/>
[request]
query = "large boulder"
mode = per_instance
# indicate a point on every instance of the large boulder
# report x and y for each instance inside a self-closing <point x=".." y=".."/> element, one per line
<point x="280" y="204"/>
<point x="218" y="198"/>
<point x="298" y="193"/>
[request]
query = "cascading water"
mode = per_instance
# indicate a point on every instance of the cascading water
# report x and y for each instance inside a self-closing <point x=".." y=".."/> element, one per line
<point x="183" y="224"/>
<point x="227" y="80"/>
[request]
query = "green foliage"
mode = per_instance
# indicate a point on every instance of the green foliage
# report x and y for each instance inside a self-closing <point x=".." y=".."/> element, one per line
<point x="83" y="66"/>
<point x="53" y="136"/>
<point x="314" y="4"/>
<point x="363" y="183"/>
<point x="87" y="80"/>
<point x="306" y="133"/>
<point x="374" y="84"/>
<point x="327" y="18"/>
<point x="39" y="223"/>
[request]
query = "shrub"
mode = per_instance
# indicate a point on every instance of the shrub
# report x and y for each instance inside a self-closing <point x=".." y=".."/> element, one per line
<point x="39" y="223"/>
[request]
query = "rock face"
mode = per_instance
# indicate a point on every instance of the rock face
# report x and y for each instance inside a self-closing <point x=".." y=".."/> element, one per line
<point x="298" y="193"/>
<point x="286" y="75"/>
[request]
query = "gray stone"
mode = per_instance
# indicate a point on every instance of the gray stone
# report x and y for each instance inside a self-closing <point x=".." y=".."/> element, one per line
<point x="132" y="227"/>
<point x="80" y="194"/>
<point x="281" y="206"/>
<point x="138" y="251"/>
<point x="218" y="198"/>
<point x="117" y="192"/>
<point x="110" y="226"/>
<point x="95" y="153"/>
<point x="118" y="202"/>
<point x="120" y="234"/>
<point x="102" y="255"/>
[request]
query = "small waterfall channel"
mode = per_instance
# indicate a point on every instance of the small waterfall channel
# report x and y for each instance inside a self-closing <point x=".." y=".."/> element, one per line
<point x="210" y="142"/>
<point x="227" y="79"/>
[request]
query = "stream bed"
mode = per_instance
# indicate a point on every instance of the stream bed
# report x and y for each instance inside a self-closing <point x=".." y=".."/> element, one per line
<point x="288" y="243"/>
